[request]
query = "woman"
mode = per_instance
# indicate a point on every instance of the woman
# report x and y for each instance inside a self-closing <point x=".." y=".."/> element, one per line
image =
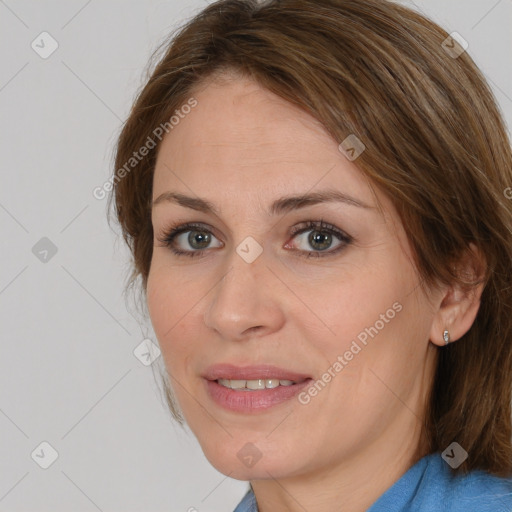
<point x="314" y="196"/>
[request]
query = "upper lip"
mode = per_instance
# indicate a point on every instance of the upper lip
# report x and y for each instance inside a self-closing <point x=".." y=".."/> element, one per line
<point x="265" y="371"/>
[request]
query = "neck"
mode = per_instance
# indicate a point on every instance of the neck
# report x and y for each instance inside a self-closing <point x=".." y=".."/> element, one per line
<point x="355" y="484"/>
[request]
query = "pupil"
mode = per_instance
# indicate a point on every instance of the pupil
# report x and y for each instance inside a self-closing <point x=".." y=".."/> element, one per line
<point x="203" y="238"/>
<point x="313" y="239"/>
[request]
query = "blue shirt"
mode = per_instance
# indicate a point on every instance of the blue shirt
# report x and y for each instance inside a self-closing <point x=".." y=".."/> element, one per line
<point x="430" y="486"/>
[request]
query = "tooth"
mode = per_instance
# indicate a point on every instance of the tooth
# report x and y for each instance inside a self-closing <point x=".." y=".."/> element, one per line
<point x="236" y="384"/>
<point x="256" y="384"/>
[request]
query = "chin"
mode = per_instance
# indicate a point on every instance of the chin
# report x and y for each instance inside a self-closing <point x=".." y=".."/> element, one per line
<point x="246" y="462"/>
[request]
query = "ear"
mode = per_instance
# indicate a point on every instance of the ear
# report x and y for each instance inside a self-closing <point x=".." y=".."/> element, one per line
<point x="458" y="307"/>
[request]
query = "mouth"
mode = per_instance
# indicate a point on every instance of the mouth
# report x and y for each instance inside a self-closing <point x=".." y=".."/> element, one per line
<point x="254" y="376"/>
<point x="257" y="384"/>
<point x="254" y="395"/>
<point x="252" y="389"/>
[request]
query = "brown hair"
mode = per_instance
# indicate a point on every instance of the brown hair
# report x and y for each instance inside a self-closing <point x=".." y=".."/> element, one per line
<point x="436" y="145"/>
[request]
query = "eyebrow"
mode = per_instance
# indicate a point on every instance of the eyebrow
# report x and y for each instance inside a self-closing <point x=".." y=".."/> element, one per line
<point x="279" y="206"/>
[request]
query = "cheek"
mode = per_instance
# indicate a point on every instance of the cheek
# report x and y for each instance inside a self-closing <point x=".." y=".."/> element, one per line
<point x="383" y="340"/>
<point x="166" y="304"/>
<point x="173" y="315"/>
<point x="164" y="307"/>
<point x="159" y="302"/>
<point x="350" y="306"/>
<point x="375" y="317"/>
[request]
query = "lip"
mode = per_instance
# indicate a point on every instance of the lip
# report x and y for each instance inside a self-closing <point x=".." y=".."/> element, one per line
<point x="251" y="402"/>
<point x="262" y="371"/>
<point x="254" y="401"/>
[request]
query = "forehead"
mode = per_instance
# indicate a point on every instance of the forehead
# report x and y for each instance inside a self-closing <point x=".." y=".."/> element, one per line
<point x="243" y="143"/>
<point x="240" y="117"/>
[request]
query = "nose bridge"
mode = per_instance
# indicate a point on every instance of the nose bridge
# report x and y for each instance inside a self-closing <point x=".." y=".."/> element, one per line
<point x="245" y="277"/>
<point x="241" y="299"/>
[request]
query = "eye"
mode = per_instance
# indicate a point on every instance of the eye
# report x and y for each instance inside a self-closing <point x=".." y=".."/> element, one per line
<point x="320" y="237"/>
<point x="198" y="237"/>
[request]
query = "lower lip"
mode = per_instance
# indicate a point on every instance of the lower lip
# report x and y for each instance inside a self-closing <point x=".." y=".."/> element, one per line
<point x="252" y="401"/>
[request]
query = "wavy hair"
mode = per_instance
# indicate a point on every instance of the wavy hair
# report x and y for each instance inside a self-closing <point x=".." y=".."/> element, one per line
<point x="436" y="145"/>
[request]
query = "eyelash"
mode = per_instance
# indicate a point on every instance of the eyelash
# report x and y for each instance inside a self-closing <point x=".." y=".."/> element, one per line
<point x="174" y="230"/>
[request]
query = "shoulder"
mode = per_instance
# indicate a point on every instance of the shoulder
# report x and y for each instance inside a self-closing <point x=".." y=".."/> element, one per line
<point x="482" y="492"/>
<point x="477" y="491"/>
<point x="432" y="485"/>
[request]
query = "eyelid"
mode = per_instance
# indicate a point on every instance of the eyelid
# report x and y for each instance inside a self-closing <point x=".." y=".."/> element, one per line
<point x="177" y="228"/>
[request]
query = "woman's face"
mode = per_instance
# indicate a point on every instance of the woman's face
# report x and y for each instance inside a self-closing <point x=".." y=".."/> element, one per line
<point x="351" y="316"/>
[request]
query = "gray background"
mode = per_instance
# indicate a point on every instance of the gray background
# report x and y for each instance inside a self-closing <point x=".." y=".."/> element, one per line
<point x="68" y="374"/>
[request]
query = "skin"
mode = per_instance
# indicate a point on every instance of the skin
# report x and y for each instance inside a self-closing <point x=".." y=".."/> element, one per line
<point x="241" y="148"/>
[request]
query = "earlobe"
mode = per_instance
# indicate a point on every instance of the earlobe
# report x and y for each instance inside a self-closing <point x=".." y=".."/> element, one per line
<point x="459" y="306"/>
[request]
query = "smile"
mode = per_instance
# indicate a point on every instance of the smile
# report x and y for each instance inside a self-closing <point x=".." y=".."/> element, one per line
<point x="252" y="385"/>
<point x="253" y="396"/>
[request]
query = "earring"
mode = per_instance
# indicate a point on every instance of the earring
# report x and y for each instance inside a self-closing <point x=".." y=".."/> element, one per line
<point x="446" y="337"/>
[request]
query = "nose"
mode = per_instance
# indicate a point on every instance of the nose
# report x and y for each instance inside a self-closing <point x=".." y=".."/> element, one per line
<point x="247" y="300"/>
